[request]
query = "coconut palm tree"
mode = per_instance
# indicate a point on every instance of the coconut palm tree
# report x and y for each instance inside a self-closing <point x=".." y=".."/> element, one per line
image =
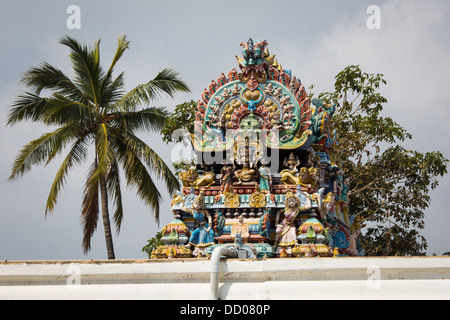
<point x="94" y="109"/>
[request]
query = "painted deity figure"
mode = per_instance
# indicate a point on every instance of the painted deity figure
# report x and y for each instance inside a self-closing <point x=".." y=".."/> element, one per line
<point x="203" y="236"/>
<point x="286" y="231"/>
<point x="304" y="177"/>
<point x="289" y="175"/>
<point x="313" y="158"/>
<point x="265" y="182"/>
<point x="355" y="231"/>
<point x="314" y="179"/>
<point x="226" y="177"/>
<point x="345" y="200"/>
<point x="241" y="229"/>
<point x="328" y="205"/>
<point x="245" y="174"/>
<point x="191" y="178"/>
<point x="291" y="163"/>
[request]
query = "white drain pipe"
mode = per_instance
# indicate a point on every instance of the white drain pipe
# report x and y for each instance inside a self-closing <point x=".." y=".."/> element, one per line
<point x="217" y="254"/>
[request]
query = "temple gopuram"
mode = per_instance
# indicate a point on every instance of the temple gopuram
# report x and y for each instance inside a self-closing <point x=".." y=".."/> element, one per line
<point x="263" y="182"/>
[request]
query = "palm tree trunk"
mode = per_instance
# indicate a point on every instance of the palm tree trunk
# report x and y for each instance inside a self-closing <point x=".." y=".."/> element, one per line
<point x="105" y="215"/>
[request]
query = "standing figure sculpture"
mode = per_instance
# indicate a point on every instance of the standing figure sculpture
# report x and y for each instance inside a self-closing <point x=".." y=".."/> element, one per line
<point x="226" y="177"/>
<point x="265" y="182"/>
<point x="344" y="199"/>
<point x="203" y="236"/>
<point x="286" y="231"/>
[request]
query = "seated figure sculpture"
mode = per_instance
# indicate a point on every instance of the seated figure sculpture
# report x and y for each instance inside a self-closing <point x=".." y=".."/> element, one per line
<point x="245" y="175"/>
<point x="291" y="163"/>
<point x="240" y="229"/>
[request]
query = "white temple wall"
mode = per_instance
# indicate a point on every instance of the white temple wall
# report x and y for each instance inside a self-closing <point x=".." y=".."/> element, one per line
<point x="292" y="279"/>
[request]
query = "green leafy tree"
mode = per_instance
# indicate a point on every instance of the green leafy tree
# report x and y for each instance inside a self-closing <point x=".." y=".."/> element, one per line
<point x="177" y="127"/>
<point x="153" y="244"/>
<point x="389" y="184"/>
<point x="94" y="109"/>
<point x="182" y="119"/>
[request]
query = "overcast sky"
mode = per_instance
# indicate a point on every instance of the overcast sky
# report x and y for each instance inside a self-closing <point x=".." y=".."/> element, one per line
<point x="199" y="38"/>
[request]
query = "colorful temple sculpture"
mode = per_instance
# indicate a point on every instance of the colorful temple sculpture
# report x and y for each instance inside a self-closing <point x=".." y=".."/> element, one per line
<point x="263" y="181"/>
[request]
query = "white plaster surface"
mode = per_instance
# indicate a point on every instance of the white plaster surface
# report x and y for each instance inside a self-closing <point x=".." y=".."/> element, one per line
<point x="317" y="278"/>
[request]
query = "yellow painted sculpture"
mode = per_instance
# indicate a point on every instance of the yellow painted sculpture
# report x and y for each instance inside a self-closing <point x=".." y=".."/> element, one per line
<point x="245" y="175"/>
<point x="257" y="199"/>
<point x="289" y="178"/>
<point x="192" y="179"/>
<point x="232" y="200"/>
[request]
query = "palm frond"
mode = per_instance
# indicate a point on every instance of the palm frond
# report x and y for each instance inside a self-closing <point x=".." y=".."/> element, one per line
<point x="61" y="110"/>
<point x="90" y="208"/>
<point x="149" y="119"/>
<point x="137" y="175"/>
<point x="43" y="149"/>
<point x="166" y="82"/>
<point x="86" y="64"/>
<point x="113" y="91"/>
<point x="27" y="106"/>
<point x="54" y="110"/>
<point x="153" y="160"/>
<point x="115" y="193"/>
<point x="104" y="152"/>
<point x="76" y="156"/>
<point x="47" y="76"/>
<point x="122" y="45"/>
